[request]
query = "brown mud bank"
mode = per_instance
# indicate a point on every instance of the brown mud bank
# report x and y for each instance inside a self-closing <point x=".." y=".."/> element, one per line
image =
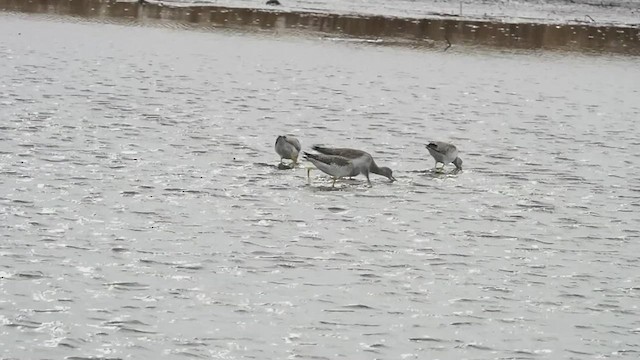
<point x="419" y="32"/>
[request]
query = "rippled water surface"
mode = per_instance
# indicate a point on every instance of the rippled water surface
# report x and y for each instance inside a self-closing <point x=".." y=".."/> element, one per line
<point x="142" y="212"/>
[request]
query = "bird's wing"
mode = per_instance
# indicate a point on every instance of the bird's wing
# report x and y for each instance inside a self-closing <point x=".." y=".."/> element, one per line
<point x="441" y="147"/>
<point x="343" y="152"/>
<point x="293" y="141"/>
<point x="328" y="159"/>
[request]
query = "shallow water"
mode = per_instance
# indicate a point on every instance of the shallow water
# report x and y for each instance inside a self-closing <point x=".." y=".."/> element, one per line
<point x="142" y="212"/>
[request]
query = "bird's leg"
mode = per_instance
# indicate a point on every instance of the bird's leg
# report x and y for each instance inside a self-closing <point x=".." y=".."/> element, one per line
<point x="334" y="182"/>
<point x="309" y="176"/>
<point x="367" y="175"/>
<point x="281" y="160"/>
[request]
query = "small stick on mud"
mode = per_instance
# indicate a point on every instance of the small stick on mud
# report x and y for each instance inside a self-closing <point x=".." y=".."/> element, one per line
<point x="448" y="43"/>
<point x="587" y="16"/>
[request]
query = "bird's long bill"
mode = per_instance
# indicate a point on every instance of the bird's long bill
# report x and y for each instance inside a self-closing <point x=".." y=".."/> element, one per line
<point x="392" y="179"/>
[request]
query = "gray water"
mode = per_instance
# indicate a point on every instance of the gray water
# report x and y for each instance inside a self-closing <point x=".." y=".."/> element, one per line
<point x="143" y="215"/>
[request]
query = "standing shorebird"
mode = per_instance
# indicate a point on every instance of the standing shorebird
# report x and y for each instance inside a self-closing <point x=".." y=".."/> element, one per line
<point x="344" y="162"/>
<point x="444" y="153"/>
<point x="288" y="147"/>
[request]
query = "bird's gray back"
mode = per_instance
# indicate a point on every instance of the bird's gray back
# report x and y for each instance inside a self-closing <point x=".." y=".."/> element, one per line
<point x="285" y="148"/>
<point x="442" y="152"/>
<point x="344" y="152"/>
<point x="293" y="141"/>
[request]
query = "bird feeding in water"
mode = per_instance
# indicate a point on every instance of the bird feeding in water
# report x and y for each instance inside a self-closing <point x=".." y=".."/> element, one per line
<point x="345" y="162"/>
<point x="444" y="153"/>
<point x="288" y="147"/>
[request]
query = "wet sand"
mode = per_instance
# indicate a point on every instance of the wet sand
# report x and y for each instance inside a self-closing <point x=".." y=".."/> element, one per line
<point x="610" y="12"/>
<point x="417" y="32"/>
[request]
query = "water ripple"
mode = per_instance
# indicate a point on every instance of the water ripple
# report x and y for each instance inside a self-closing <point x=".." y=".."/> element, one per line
<point x="143" y="211"/>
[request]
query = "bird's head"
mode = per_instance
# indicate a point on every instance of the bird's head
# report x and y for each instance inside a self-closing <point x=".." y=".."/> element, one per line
<point x="458" y="163"/>
<point x="385" y="171"/>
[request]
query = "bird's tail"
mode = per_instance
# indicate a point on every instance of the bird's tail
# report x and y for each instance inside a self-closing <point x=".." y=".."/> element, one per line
<point x="324" y="150"/>
<point x="308" y="156"/>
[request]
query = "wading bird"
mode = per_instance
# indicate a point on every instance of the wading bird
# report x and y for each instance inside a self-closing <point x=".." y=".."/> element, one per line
<point x="444" y="153"/>
<point x="288" y="147"/>
<point x="344" y="162"/>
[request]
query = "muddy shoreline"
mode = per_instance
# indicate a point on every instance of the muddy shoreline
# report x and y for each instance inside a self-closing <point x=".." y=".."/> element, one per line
<point x="439" y="31"/>
<point x="611" y="12"/>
